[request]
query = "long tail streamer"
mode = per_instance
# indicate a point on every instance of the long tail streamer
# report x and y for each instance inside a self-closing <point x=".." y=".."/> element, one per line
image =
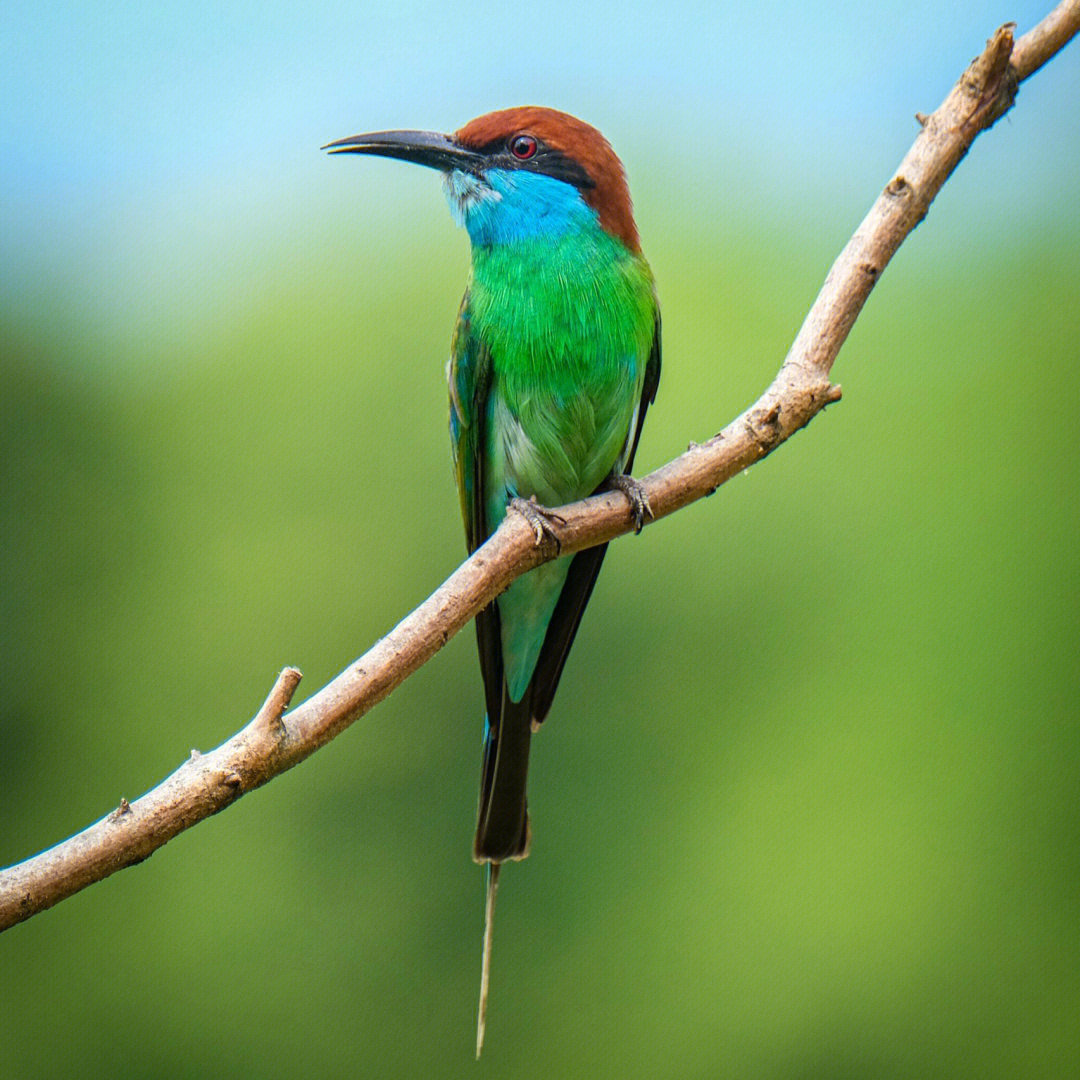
<point x="485" y="963"/>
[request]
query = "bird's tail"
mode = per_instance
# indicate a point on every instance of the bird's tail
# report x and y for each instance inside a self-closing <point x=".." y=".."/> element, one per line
<point x="502" y="825"/>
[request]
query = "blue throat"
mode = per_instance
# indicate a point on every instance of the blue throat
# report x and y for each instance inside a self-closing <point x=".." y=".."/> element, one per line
<point x="509" y="205"/>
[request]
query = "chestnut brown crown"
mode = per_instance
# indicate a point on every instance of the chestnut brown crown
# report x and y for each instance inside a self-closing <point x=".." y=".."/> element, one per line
<point x="563" y="146"/>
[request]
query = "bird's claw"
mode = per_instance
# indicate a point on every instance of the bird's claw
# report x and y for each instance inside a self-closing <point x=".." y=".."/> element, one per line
<point x="635" y="492"/>
<point x="539" y="517"/>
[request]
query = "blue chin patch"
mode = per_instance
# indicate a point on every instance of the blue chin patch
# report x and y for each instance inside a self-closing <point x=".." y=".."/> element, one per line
<point x="509" y="205"/>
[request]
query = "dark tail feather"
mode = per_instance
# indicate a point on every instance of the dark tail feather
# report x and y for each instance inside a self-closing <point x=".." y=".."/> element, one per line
<point x="502" y="827"/>
<point x="565" y="620"/>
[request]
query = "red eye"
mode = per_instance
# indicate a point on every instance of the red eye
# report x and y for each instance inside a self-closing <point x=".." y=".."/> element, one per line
<point x="523" y="147"/>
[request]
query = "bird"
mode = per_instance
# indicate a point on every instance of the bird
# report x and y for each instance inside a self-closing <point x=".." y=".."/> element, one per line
<point x="554" y="361"/>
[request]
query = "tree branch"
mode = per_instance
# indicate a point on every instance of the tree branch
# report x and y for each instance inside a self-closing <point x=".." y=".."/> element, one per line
<point x="273" y="741"/>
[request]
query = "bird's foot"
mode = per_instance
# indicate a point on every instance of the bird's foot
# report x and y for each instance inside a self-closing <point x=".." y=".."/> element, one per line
<point x="634" y="490"/>
<point x="539" y="517"/>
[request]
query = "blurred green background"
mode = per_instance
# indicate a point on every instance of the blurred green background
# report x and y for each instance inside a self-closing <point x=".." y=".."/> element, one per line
<point x="807" y="804"/>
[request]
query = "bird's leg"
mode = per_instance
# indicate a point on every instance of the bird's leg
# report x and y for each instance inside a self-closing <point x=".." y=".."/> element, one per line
<point x="634" y="490"/>
<point x="539" y="517"/>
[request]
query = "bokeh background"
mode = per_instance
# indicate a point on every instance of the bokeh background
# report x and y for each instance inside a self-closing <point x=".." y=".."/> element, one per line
<point x="807" y="805"/>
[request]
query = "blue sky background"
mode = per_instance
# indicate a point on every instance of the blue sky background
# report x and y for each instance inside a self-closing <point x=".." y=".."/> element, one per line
<point x="138" y="135"/>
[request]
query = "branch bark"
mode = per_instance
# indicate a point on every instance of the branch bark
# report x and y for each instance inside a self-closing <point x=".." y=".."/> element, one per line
<point x="275" y="741"/>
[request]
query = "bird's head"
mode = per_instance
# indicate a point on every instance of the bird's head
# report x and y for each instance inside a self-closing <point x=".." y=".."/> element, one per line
<point x="518" y="173"/>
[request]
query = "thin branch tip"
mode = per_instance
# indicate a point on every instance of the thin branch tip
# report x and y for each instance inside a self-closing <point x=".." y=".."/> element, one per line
<point x="1046" y="39"/>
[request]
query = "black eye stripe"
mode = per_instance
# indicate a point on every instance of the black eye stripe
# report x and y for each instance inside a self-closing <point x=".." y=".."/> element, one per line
<point x="546" y="160"/>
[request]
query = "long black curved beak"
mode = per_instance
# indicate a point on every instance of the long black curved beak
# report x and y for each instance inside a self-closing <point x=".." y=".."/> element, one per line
<point x="424" y="147"/>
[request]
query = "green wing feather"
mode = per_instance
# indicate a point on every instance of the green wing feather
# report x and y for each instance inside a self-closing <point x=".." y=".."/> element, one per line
<point x="469" y="379"/>
<point x="502" y="821"/>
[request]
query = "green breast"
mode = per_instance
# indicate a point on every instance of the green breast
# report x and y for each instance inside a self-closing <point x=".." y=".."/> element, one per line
<point x="569" y="324"/>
